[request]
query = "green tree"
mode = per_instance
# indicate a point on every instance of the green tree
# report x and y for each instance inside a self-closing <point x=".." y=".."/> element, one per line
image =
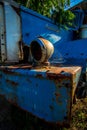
<point x="43" y="6"/>
<point x="51" y="8"/>
<point x="22" y="2"/>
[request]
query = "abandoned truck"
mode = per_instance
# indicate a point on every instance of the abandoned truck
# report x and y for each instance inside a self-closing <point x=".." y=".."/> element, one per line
<point x="42" y="66"/>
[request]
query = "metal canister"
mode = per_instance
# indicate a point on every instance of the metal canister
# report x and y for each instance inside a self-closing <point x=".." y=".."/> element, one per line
<point x="83" y="31"/>
<point x="41" y="50"/>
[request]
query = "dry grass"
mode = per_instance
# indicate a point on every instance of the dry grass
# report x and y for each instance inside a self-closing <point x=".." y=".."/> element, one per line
<point x="79" y="115"/>
<point x="15" y="119"/>
<point x="78" y="122"/>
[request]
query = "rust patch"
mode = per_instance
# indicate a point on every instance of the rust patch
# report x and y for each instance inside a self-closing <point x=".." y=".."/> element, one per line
<point x="65" y="124"/>
<point x="57" y="95"/>
<point x="39" y="76"/>
<point x="26" y="67"/>
<point x="10" y="72"/>
<point x="20" y="67"/>
<point x="13" y="101"/>
<point x="57" y="98"/>
<point x="68" y="85"/>
<point x="12" y="82"/>
<point x="62" y="72"/>
<point x="58" y="77"/>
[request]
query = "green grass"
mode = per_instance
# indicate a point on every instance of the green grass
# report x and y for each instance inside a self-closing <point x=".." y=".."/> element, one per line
<point x="78" y="121"/>
<point x="21" y="120"/>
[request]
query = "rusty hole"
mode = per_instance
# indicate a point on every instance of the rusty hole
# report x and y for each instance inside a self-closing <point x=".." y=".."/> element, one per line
<point x="81" y="54"/>
<point x="65" y="117"/>
<point x="27" y="34"/>
<point x="62" y="72"/>
<point x="67" y="54"/>
<point x="12" y="82"/>
<point x="53" y="99"/>
<point x="10" y="72"/>
<point x="51" y="107"/>
<point x="39" y="76"/>
<point x="36" y="85"/>
<point x="57" y="94"/>
<point x="67" y="85"/>
<point x="58" y="77"/>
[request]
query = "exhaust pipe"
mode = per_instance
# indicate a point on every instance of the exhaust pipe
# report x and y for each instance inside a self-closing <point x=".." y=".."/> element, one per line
<point x="41" y="50"/>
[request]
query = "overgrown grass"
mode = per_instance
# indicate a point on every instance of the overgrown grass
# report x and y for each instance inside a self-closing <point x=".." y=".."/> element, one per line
<point x="79" y="115"/>
<point x="15" y="119"/>
<point x="24" y="121"/>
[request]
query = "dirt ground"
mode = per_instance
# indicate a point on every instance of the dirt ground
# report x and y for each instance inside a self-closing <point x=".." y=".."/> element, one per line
<point x="79" y="115"/>
<point x="12" y="118"/>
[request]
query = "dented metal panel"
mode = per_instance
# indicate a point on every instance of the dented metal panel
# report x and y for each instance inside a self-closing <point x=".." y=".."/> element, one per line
<point x="2" y="35"/>
<point x="45" y="26"/>
<point x="46" y="92"/>
<point x="70" y="55"/>
<point x="13" y="33"/>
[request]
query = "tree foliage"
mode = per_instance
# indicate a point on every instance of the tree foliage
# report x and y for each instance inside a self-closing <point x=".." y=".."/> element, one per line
<point x="44" y="6"/>
<point x="22" y="2"/>
<point x="51" y="8"/>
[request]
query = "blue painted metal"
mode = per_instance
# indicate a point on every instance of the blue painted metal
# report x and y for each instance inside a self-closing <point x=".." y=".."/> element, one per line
<point x="83" y="33"/>
<point x="13" y="33"/>
<point x="74" y="3"/>
<point x="10" y="33"/>
<point x="45" y="27"/>
<point x="79" y="17"/>
<point x="71" y="53"/>
<point x="45" y="92"/>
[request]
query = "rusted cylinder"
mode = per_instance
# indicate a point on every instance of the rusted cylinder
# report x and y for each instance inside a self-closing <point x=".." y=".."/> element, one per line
<point x="41" y="50"/>
<point x="83" y="31"/>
